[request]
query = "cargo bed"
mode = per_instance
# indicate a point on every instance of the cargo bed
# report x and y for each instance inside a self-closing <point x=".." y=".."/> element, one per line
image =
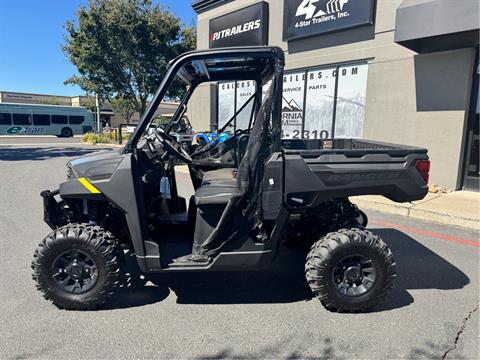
<point x="318" y="170"/>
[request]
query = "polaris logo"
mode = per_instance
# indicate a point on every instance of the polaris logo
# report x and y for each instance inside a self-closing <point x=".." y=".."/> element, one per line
<point x="348" y="178"/>
<point x="235" y="30"/>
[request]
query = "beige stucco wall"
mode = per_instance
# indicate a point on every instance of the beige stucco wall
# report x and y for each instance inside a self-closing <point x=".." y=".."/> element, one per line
<point x="405" y="91"/>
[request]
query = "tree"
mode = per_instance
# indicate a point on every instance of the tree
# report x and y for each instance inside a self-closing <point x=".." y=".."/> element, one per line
<point x="124" y="107"/>
<point x="121" y="48"/>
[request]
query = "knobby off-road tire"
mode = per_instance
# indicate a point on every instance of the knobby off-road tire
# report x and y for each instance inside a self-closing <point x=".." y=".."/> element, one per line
<point x="339" y="270"/>
<point x="81" y="252"/>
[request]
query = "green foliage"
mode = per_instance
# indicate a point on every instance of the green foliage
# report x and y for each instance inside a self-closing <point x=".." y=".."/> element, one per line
<point x="93" y="138"/>
<point x="52" y="101"/>
<point x="103" y="138"/>
<point x="124" y="107"/>
<point x="122" y="47"/>
<point x="89" y="103"/>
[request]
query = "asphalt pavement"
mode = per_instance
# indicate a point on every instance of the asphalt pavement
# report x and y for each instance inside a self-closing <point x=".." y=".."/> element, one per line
<point x="432" y="313"/>
<point x="34" y="140"/>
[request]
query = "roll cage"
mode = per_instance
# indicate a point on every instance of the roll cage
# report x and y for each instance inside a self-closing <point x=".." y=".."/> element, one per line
<point x="227" y="64"/>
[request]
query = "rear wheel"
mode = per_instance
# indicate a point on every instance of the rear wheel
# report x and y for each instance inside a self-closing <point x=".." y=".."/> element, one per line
<point x="350" y="270"/>
<point x="66" y="132"/>
<point x="77" y="266"/>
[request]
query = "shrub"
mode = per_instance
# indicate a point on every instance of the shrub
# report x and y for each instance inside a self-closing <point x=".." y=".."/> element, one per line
<point x="93" y="138"/>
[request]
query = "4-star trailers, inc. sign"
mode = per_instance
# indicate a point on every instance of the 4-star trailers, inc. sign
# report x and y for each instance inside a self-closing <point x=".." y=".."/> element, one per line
<point x="303" y="18"/>
<point x="243" y="27"/>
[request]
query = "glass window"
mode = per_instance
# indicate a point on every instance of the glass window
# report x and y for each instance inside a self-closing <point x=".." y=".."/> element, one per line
<point x="59" y="119"/>
<point x="292" y="105"/>
<point x="41" y="119"/>
<point x="22" y="119"/>
<point x="319" y="103"/>
<point x="245" y="89"/>
<point x="76" y="119"/>
<point x="352" y="87"/>
<point x="5" y="119"/>
<point x="226" y="103"/>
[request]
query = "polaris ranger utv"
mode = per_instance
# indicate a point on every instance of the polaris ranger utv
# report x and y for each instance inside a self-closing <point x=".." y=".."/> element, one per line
<point x="252" y="193"/>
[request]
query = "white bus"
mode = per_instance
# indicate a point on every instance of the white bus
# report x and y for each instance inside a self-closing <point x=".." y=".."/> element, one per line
<point x="32" y="119"/>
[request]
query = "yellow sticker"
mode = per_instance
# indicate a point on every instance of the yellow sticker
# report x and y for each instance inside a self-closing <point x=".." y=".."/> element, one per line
<point x="89" y="186"/>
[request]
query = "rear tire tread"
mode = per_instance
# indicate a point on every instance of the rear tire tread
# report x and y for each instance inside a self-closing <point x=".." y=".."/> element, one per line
<point x="317" y="262"/>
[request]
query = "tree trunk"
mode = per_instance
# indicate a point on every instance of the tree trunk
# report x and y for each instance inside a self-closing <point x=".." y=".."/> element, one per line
<point x="143" y="105"/>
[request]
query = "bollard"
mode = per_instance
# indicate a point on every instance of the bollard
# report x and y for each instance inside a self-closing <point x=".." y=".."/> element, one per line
<point x="120" y="134"/>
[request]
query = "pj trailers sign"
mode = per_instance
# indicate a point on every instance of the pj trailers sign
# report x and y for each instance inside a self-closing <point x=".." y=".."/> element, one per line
<point x="247" y="26"/>
<point x="313" y="17"/>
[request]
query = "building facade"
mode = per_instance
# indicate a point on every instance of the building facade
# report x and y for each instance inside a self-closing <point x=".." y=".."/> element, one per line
<point x="108" y="116"/>
<point x="396" y="71"/>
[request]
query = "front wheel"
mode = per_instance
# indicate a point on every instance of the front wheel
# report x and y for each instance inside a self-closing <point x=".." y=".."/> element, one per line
<point x="350" y="270"/>
<point x="77" y="266"/>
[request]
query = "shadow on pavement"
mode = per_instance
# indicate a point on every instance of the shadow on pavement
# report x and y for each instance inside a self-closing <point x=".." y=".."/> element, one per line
<point x="417" y="267"/>
<point x="285" y="349"/>
<point x="42" y="153"/>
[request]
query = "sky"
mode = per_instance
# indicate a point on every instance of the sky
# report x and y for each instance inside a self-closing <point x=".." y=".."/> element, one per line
<point x="31" y="38"/>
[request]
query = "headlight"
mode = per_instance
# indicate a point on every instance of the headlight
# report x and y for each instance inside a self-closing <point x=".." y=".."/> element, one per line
<point x="70" y="173"/>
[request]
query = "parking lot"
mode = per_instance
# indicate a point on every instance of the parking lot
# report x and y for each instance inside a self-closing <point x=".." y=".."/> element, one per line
<point x="432" y="312"/>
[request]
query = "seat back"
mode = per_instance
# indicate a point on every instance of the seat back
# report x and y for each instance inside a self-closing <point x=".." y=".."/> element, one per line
<point x="250" y="170"/>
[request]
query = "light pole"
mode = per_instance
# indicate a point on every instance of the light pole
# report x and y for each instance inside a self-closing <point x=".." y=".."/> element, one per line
<point x="97" y="105"/>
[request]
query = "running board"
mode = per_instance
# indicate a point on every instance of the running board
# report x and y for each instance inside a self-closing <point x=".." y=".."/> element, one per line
<point x="229" y="261"/>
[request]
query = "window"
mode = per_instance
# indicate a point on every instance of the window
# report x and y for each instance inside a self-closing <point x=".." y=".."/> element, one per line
<point x="226" y="103"/>
<point x="323" y="102"/>
<point x="333" y="100"/>
<point x="5" y="119"/>
<point x="245" y="89"/>
<point x="352" y="86"/>
<point x="232" y="95"/>
<point x="59" y="119"/>
<point x="320" y="103"/>
<point x="41" y="119"/>
<point x="76" y="119"/>
<point x="22" y="119"/>
<point x="292" y="105"/>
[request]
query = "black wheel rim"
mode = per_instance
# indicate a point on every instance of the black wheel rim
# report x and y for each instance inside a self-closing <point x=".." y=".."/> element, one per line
<point x="354" y="275"/>
<point x="74" y="271"/>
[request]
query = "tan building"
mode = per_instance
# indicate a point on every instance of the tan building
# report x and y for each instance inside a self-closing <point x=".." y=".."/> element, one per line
<point x="107" y="114"/>
<point x="395" y="71"/>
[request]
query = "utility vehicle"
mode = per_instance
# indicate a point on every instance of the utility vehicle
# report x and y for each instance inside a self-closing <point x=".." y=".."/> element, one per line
<point x="253" y="192"/>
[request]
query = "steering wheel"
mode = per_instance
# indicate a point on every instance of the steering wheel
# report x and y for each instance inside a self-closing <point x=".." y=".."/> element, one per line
<point x="167" y="143"/>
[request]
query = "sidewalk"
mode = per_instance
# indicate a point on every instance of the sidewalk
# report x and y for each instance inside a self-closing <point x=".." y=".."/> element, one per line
<point x="460" y="208"/>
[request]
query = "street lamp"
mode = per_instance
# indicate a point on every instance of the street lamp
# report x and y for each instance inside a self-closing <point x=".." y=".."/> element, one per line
<point x="97" y="105"/>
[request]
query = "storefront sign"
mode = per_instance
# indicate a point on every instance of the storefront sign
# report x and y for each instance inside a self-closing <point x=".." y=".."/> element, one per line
<point x="303" y="18"/>
<point x="247" y="26"/>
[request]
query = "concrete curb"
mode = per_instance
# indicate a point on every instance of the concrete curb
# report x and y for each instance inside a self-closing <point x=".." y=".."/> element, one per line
<point x="411" y="210"/>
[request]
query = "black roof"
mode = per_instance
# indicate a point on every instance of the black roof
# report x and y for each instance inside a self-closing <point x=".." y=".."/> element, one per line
<point x="235" y="63"/>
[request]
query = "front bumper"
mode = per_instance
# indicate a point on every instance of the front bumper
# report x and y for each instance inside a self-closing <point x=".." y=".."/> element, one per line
<point x="53" y="210"/>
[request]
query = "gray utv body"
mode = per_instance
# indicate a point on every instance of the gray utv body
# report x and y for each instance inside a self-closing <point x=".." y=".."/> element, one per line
<point x="295" y="181"/>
